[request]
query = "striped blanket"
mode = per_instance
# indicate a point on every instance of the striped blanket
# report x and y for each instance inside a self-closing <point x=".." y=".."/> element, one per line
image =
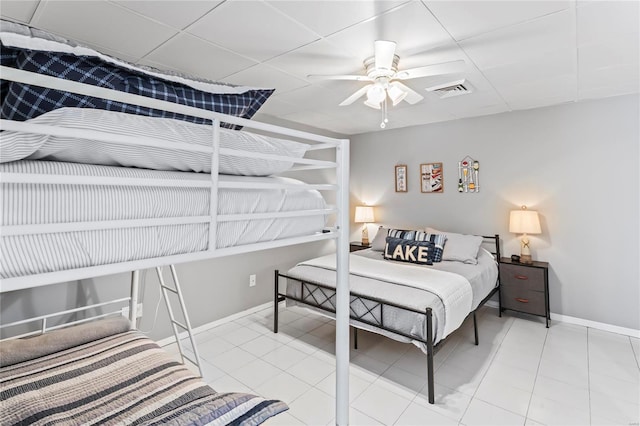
<point x="120" y="379"/>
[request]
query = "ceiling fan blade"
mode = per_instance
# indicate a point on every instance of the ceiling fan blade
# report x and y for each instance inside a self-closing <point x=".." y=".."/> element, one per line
<point x="412" y="97"/>
<point x="431" y="70"/>
<point x="384" y="51"/>
<point x="339" y="77"/>
<point x="351" y="99"/>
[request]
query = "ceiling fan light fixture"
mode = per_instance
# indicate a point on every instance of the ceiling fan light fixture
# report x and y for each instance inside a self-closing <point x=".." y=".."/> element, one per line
<point x="396" y="94"/>
<point x="373" y="105"/>
<point x="376" y="94"/>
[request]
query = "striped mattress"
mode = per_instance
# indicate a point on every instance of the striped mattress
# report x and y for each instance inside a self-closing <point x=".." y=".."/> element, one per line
<point x="123" y="378"/>
<point x="24" y="204"/>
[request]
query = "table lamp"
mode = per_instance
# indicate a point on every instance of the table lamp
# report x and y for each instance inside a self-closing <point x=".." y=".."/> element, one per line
<point x="524" y="222"/>
<point x="364" y="215"/>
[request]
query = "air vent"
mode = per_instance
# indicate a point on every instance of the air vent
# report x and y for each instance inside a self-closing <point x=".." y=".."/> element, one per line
<point x="453" y="88"/>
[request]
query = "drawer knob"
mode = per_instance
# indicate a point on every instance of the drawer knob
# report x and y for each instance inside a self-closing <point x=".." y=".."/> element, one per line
<point x="521" y="277"/>
<point x="521" y="300"/>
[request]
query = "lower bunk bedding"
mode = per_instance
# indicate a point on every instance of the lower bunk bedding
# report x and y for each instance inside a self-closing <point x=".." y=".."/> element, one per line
<point x="35" y="204"/>
<point x="103" y="373"/>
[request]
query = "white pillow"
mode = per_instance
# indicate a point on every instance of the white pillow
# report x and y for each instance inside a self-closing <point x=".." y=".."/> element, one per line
<point x="380" y="239"/>
<point x="459" y="247"/>
<point x="19" y="145"/>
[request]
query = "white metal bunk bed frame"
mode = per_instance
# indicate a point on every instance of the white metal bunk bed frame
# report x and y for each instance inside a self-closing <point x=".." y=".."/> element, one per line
<point x="339" y="232"/>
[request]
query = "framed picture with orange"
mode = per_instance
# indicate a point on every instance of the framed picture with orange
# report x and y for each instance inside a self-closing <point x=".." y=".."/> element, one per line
<point x="431" y="178"/>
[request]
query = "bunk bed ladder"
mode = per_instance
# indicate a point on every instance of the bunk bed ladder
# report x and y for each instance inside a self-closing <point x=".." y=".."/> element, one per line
<point x="175" y="323"/>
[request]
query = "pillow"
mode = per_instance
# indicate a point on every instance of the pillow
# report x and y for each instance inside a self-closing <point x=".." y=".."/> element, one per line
<point x="25" y="349"/>
<point x="403" y="234"/>
<point x="438" y="239"/>
<point x="420" y="252"/>
<point x="459" y="247"/>
<point x="19" y="145"/>
<point x="23" y="101"/>
<point x="380" y="239"/>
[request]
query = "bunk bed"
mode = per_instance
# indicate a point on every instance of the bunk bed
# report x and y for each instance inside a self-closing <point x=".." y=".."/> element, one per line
<point x="420" y="304"/>
<point x="104" y="173"/>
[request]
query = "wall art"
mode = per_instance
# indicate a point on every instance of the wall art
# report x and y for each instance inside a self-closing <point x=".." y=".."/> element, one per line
<point x="431" y="178"/>
<point x="468" y="175"/>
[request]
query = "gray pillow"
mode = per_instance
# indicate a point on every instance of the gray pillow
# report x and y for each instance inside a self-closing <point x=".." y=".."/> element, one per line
<point x="380" y="239"/>
<point x="459" y="247"/>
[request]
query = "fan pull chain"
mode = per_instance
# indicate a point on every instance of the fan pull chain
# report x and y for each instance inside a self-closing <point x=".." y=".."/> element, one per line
<point x="385" y="120"/>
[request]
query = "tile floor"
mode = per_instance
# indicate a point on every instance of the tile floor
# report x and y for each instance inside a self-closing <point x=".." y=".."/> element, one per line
<point x="521" y="373"/>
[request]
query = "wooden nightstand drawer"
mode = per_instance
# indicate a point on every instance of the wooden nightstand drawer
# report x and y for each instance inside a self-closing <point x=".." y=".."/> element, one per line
<point x="522" y="277"/>
<point x="523" y="300"/>
<point x="525" y="287"/>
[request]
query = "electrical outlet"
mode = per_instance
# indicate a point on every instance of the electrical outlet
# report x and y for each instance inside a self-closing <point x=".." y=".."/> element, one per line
<point x="252" y="280"/>
<point x="125" y="311"/>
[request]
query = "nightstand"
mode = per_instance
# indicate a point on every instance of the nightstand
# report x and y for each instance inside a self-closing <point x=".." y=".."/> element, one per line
<point x="357" y="245"/>
<point x="525" y="287"/>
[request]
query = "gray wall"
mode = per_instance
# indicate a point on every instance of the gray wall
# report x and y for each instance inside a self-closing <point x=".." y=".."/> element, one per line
<point x="577" y="164"/>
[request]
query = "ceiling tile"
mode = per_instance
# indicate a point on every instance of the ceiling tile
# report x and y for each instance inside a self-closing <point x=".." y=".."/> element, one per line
<point x="319" y="57"/>
<point x="213" y="62"/>
<point x="464" y="19"/>
<point x="327" y="17"/>
<point x="175" y="13"/>
<point x="18" y="10"/>
<point x="104" y="24"/>
<point x="277" y="108"/>
<point x="317" y="98"/>
<point x="253" y="29"/>
<point x="538" y="67"/>
<point x="411" y="26"/>
<point x="519" y="42"/>
<point x="265" y="76"/>
<point x="541" y="93"/>
<point x="597" y="21"/>
<point x="618" y="51"/>
<point x="611" y="81"/>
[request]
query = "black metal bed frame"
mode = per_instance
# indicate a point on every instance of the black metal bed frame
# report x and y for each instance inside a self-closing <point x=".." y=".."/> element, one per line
<point x="373" y="303"/>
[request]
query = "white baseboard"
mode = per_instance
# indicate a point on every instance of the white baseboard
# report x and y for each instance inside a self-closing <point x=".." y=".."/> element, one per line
<point x="586" y="323"/>
<point x="208" y="326"/>
<point x="491" y="303"/>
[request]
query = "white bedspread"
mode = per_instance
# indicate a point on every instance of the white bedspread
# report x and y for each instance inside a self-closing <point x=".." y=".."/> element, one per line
<point x="454" y="290"/>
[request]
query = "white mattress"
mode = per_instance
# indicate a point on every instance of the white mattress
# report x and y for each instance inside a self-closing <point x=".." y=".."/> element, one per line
<point x="42" y="204"/>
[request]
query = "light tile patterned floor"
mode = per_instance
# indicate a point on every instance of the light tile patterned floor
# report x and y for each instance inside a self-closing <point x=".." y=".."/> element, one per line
<point x="521" y="373"/>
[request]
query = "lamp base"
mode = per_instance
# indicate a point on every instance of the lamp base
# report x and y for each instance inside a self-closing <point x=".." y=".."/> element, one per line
<point x="526" y="259"/>
<point x="365" y="235"/>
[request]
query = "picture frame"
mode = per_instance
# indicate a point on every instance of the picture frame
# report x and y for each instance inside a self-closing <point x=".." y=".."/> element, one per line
<point x="431" y="178"/>
<point x="401" y="178"/>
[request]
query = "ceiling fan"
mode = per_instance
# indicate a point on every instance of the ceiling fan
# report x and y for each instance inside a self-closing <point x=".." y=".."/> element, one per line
<point x="385" y="79"/>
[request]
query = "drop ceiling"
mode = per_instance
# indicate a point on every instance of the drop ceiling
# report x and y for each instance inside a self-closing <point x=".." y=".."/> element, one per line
<point x="518" y="54"/>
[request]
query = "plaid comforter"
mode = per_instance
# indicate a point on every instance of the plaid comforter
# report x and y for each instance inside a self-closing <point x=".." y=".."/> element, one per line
<point x="120" y="379"/>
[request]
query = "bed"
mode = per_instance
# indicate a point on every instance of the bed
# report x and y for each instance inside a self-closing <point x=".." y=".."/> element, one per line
<point x="420" y="304"/>
<point x="111" y="167"/>
<point x="105" y="373"/>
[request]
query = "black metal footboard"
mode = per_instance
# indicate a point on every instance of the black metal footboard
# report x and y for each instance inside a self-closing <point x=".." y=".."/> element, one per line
<point x="370" y="311"/>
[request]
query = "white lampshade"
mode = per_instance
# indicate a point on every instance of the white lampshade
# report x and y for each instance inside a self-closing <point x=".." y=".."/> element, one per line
<point x="376" y="94"/>
<point x="364" y="214"/>
<point x="396" y="94"/>
<point x="372" y="104"/>
<point x="524" y="221"/>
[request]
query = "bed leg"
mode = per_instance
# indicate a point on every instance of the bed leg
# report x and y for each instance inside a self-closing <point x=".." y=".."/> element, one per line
<point x="276" y="300"/>
<point x="355" y="338"/>
<point x="475" y="327"/>
<point x="430" y="384"/>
